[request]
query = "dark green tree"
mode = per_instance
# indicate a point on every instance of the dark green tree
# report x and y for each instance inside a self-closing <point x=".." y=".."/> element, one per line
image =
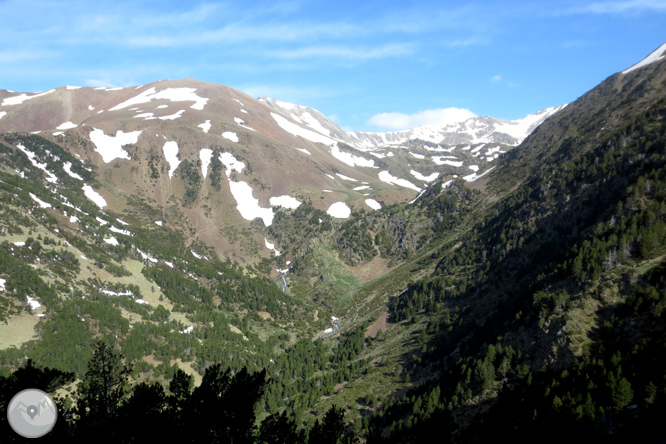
<point x="278" y="428"/>
<point x="102" y="390"/>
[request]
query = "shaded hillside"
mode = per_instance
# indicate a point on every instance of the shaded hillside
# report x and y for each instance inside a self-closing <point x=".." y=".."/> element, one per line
<point x="557" y="297"/>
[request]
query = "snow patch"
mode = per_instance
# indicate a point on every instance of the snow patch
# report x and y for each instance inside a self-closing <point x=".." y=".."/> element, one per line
<point x="42" y="166"/>
<point x="205" y="155"/>
<point x="385" y="176"/>
<point x="33" y="303"/>
<point x="241" y="122"/>
<point x="172" y="94"/>
<point x="67" y="166"/>
<point x="285" y="202"/>
<point x="158" y="222"/>
<point x="271" y="246"/>
<point x="350" y="159"/>
<point x="472" y="177"/>
<point x="170" y="150"/>
<point x="67" y="125"/>
<point x="247" y="205"/>
<point x="230" y="135"/>
<point x="17" y="100"/>
<point x="118" y="230"/>
<point x="94" y="196"/>
<point x="205" y="127"/>
<point x="173" y="116"/>
<point x="110" y="147"/>
<point x="297" y="130"/>
<point x="372" y="203"/>
<point x="231" y="163"/>
<point x="362" y="187"/>
<point x="339" y="210"/>
<point x="41" y="203"/>
<point x="146" y="257"/>
<point x="418" y="156"/>
<point x="442" y="161"/>
<point x="112" y="241"/>
<point x="420" y="176"/>
<point x="343" y="177"/>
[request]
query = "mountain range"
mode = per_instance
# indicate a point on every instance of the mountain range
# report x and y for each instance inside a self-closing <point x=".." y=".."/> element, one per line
<point x="469" y="280"/>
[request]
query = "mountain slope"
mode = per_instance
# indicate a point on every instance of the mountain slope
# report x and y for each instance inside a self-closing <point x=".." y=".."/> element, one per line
<point x="529" y="300"/>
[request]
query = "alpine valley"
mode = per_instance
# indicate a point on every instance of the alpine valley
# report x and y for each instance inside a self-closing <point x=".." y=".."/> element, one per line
<point x="180" y="259"/>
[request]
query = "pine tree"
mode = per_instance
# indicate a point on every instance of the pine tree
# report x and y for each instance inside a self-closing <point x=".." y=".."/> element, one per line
<point x="102" y="390"/>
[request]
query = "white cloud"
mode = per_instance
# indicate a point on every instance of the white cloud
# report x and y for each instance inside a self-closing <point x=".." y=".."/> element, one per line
<point x="495" y="79"/>
<point x="401" y="121"/>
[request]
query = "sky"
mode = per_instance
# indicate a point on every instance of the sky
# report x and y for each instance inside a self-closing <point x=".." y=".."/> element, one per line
<point x="368" y="65"/>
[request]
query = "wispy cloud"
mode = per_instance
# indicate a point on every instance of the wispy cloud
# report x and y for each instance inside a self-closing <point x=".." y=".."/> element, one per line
<point x="621" y="7"/>
<point x="345" y="52"/>
<point x="399" y="121"/>
<point x="495" y="79"/>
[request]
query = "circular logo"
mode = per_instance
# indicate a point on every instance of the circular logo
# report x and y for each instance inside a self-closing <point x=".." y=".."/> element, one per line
<point x="32" y="413"/>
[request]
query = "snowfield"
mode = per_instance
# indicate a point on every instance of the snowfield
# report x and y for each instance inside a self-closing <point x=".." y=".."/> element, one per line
<point x="110" y="147"/>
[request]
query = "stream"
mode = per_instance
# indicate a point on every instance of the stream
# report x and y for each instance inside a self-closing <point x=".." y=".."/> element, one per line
<point x="284" y="281"/>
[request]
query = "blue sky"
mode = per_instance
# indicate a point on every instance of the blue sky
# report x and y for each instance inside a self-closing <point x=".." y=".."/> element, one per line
<point x="368" y="65"/>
